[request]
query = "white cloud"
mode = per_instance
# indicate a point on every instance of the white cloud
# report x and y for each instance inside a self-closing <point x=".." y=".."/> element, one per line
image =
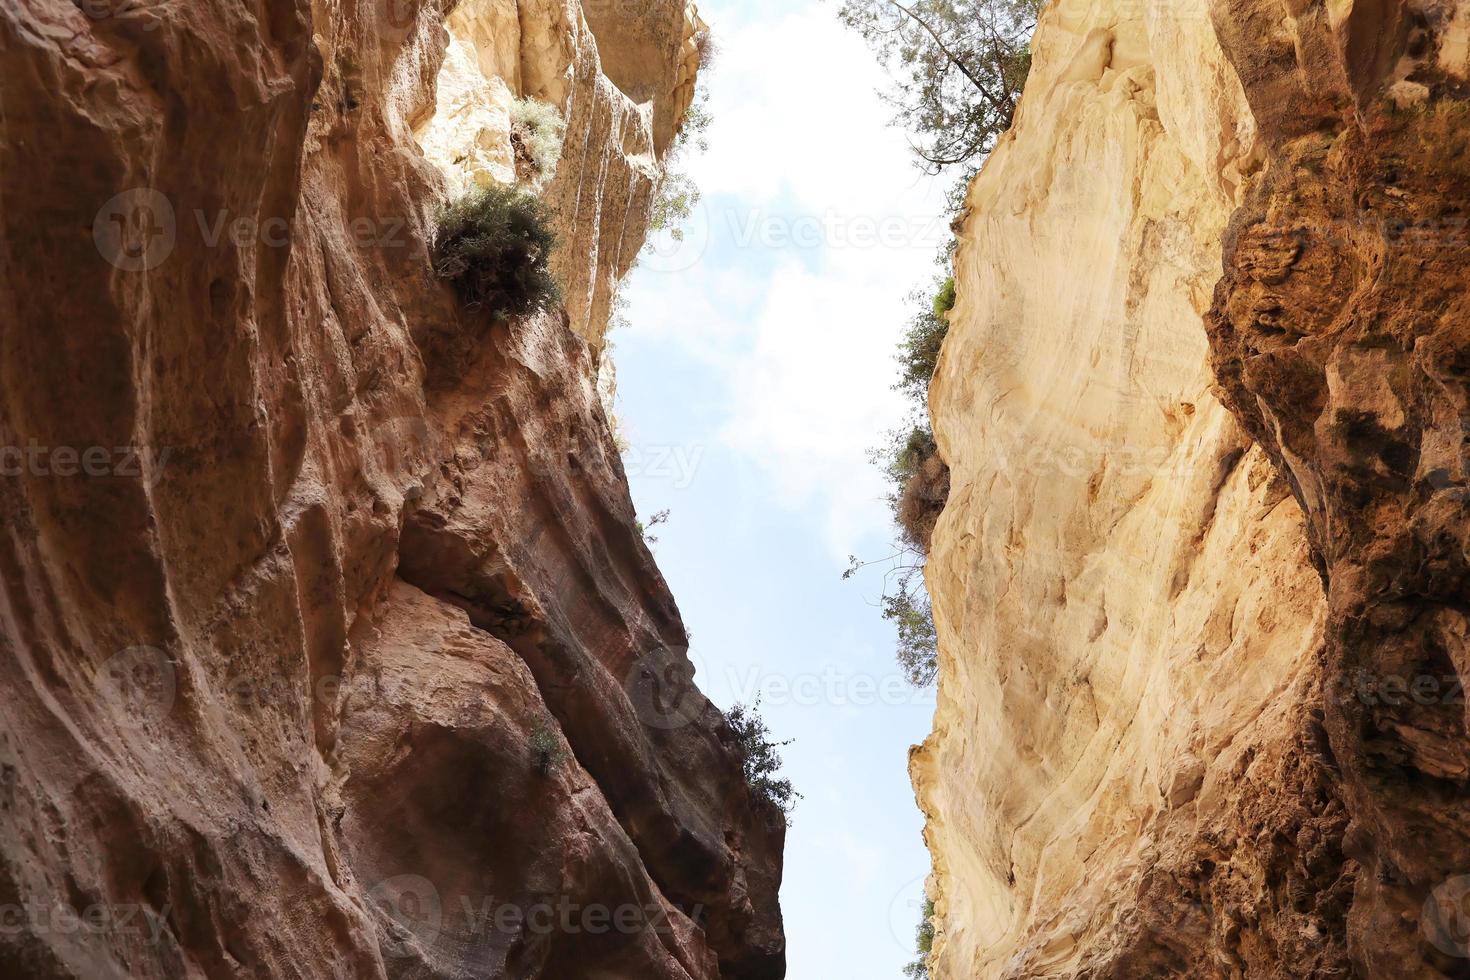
<point x="795" y="108"/>
<point x="832" y="228"/>
<point x="814" y="396"/>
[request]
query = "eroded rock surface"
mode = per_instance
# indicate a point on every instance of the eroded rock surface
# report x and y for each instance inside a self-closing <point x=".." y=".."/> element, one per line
<point x="340" y="655"/>
<point x="1160" y="749"/>
<point x="1341" y="335"/>
<point x="623" y="76"/>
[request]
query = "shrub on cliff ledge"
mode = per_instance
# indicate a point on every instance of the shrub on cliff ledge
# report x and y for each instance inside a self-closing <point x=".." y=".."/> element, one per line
<point x="494" y="244"/>
<point x="922" y="481"/>
<point x="761" y="758"/>
<point x="537" y="132"/>
<point x="677" y="195"/>
<point x="918" y="352"/>
<point x="924" y="944"/>
<point x="911" y="461"/>
<point x="546" y="748"/>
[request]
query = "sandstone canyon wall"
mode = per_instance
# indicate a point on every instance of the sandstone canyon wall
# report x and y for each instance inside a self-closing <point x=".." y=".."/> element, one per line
<point x="328" y="644"/>
<point x="1201" y="582"/>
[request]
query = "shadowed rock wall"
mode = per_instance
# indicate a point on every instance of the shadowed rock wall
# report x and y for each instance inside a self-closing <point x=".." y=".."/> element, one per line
<point x="328" y="646"/>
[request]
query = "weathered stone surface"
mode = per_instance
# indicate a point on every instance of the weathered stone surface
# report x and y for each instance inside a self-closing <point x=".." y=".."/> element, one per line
<point x="1159" y="750"/>
<point x="1127" y="775"/>
<point x="258" y="691"/>
<point x="621" y="74"/>
<point x="1340" y="333"/>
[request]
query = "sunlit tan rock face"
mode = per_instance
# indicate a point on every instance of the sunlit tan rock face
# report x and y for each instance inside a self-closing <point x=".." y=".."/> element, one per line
<point x="621" y="74"/>
<point x="1160" y="748"/>
<point x="328" y="644"/>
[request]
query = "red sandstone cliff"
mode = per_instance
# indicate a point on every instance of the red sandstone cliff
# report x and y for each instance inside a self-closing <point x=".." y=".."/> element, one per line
<point x="328" y="646"/>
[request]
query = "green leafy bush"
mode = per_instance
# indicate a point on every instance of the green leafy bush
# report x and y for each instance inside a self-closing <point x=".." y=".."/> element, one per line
<point x="677" y="195"/>
<point x="546" y="749"/>
<point x="924" y="941"/>
<point x="918" y="352"/>
<point x="761" y="758"/>
<point x="494" y="244"/>
<point x="944" y="300"/>
<point x="958" y="67"/>
<point x="920" y="482"/>
<point x="918" y="641"/>
<point x="912" y="463"/>
<point x="923" y="493"/>
<point x="537" y="132"/>
<point x="906" y="605"/>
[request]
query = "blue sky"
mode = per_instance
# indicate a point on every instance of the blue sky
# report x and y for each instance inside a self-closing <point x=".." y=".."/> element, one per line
<point x="754" y="377"/>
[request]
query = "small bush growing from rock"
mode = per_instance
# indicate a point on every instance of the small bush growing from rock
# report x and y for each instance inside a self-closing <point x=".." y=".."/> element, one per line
<point x="537" y="132"/>
<point x="918" y="352"/>
<point x="921" y="484"/>
<point x="909" y="610"/>
<point x="924" y="490"/>
<point x="494" y="244"/>
<point x="645" y="530"/>
<point x="677" y="195"/>
<point x="761" y="757"/>
<point x="546" y="750"/>
<point x="924" y="943"/>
